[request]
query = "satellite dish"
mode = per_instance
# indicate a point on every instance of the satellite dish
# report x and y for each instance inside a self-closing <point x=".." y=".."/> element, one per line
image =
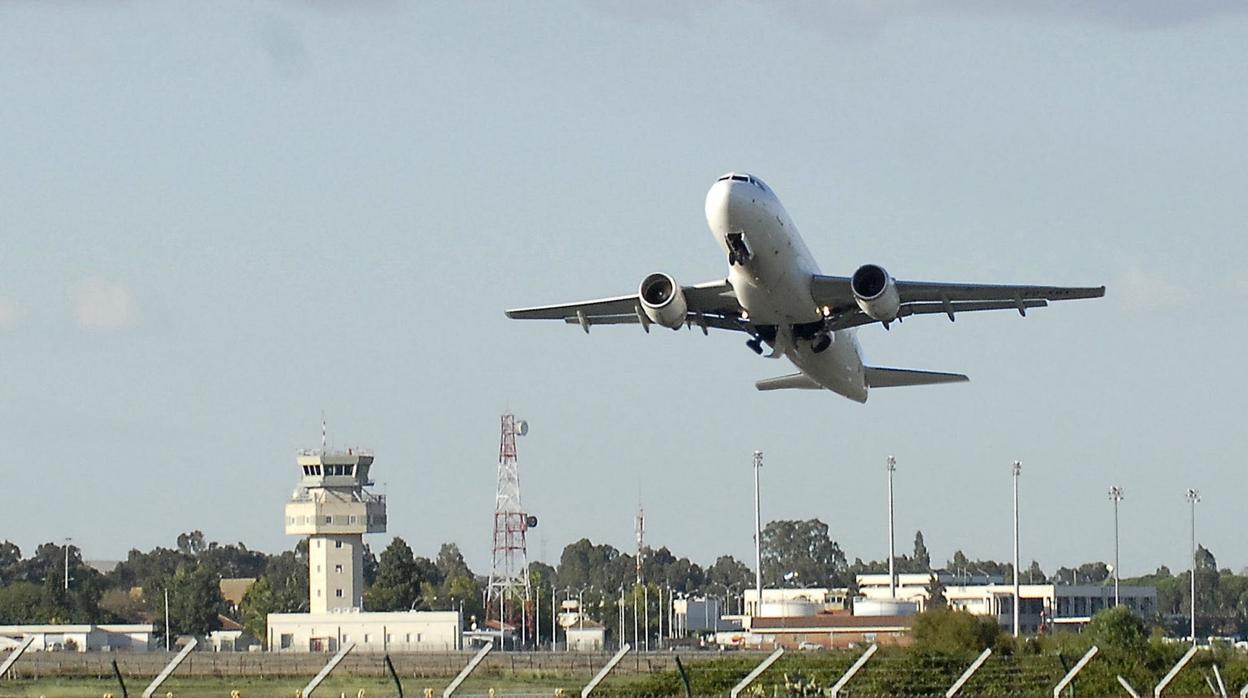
<point x="522" y="427"/>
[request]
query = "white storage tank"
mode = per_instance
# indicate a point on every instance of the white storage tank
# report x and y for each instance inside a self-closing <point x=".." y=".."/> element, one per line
<point x="788" y="608"/>
<point x="884" y="607"/>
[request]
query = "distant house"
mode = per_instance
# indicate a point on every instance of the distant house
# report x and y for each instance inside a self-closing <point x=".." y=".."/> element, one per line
<point x="586" y="636"/>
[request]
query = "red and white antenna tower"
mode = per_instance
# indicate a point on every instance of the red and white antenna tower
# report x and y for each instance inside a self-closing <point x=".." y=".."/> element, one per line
<point x="509" y="575"/>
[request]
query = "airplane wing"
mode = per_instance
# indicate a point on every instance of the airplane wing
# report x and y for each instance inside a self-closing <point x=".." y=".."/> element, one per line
<point x="712" y="304"/>
<point x="929" y="297"/>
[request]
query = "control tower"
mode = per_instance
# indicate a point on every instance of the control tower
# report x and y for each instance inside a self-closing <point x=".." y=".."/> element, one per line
<point x="333" y="508"/>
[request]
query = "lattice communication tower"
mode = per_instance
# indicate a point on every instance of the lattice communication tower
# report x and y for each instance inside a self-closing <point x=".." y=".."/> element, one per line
<point x="509" y="574"/>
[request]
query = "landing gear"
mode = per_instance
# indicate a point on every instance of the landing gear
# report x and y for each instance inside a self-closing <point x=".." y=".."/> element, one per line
<point x="738" y="250"/>
<point x="821" y="344"/>
<point x="756" y="345"/>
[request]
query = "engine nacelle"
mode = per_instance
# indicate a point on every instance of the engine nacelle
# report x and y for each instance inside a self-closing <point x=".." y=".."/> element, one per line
<point x="875" y="292"/>
<point x="662" y="300"/>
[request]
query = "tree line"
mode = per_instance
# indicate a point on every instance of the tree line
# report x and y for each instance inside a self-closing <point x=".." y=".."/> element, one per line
<point x="794" y="554"/>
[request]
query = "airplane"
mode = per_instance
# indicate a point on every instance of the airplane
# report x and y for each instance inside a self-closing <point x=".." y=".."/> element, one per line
<point x="776" y="294"/>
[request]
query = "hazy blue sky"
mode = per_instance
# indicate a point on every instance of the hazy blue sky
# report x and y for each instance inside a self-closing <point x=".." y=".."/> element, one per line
<point x="218" y="220"/>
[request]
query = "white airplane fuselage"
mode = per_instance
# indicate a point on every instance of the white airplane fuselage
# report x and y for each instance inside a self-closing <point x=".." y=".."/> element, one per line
<point x="773" y="282"/>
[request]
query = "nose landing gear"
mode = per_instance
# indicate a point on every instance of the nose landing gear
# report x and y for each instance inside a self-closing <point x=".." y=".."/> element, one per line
<point x="756" y="345"/>
<point x="738" y="250"/>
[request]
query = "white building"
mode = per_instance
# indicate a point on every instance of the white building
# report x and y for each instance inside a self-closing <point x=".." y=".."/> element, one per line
<point x="1052" y="606"/>
<point x="79" y="638"/>
<point x="400" y="631"/>
<point x="775" y="601"/>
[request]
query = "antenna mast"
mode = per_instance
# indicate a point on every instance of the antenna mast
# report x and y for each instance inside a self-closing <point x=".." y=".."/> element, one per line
<point x="509" y="574"/>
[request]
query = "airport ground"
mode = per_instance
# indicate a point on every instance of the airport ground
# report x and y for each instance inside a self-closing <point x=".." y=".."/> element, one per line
<point x="1015" y="670"/>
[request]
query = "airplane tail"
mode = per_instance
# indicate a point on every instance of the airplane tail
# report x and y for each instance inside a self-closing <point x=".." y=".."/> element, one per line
<point x="879" y="377"/>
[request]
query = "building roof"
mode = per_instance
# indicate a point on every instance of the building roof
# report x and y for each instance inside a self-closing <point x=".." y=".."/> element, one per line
<point x="235" y="588"/>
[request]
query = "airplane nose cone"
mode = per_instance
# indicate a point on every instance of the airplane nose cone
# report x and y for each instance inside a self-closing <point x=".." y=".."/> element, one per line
<point x="727" y="205"/>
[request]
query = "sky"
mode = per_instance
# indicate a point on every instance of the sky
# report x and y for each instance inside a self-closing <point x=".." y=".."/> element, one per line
<point x="219" y="221"/>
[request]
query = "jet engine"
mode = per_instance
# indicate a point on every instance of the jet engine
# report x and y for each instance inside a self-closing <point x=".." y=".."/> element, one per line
<point x="875" y="293"/>
<point x="662" y="300"/>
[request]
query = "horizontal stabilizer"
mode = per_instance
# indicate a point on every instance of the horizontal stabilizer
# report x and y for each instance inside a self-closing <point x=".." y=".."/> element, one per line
<point x="795" y="381"/>
<point x="878" y="377"/>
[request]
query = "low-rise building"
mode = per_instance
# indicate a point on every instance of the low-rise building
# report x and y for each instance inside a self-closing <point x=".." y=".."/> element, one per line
<point x="1042" y="606"/>
<point x="400" y="631"/>
<point x="80" y="638"/>
<point x="830" y="631"/>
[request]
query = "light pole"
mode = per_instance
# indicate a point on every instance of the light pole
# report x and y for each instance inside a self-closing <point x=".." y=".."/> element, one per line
<point x="1115" y="495"/>
<point x="67" y="542"/>
<point x="758" y="535"/>
<point x="892" y="554"/>
<point x="1017" y="468"/>
<point x="1193" y="496"/>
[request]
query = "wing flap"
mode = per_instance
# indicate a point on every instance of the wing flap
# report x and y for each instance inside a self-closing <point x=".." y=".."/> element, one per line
<point x="880" y="377"/>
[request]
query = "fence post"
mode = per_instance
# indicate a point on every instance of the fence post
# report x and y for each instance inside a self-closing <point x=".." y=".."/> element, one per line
<point x="117" y="674"/>
<point x="329" y="666"/>
<point x="1070" y="675"/>
<point x="170" y="668"/>
<point x="1128" y="687"/>
<point x="1174" y="671"/>
<point x="1221" y="684"/>
<point x="15" y="655"/>
<point x="970" y="671"/>
<point x="849" y="673"/>
<point x="468" y="669"/>
<point x="602" y="673"/>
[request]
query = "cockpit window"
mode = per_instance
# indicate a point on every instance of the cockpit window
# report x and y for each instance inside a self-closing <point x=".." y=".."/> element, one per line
<point x="744" y="178"/>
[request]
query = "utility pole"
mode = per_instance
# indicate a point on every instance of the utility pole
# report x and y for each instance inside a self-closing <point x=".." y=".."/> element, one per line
<point x="166" y="619"/>
<point x="892" y="553"/>
<point x="1017" y="469"/>
<point x="1193" y="496"/>
<point x="758" y="535"/>
<point x="1116" y="495"/>
<point x="67" y="542"/>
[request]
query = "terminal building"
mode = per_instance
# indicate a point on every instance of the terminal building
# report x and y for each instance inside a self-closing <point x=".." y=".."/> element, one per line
<point x="334" y="509"/>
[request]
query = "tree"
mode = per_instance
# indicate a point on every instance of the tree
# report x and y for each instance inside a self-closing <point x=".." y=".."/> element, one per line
<point x="10" y="562"/>
<point x="450" y="562"/>
<point x="921" y="557"/>
<point x="935" y="592"/>
<point x="21" y="602"/>
<point x="731" y="571"/>
<point x="259" y="601"/>
<point x="800" y="553"/>
<point x="1034" y="574"/>
<point x="1118" y="629"/>
<point x="192" y="543"/>
<point x="398" y="580"/>
<point x="195" y="599"/>
<point x="948" y="631"/>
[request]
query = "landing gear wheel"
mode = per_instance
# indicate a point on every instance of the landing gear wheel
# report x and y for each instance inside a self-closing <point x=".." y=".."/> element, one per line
<point x="820" y="345"/>
<point x="756" y="345"/>
<point x="732" y="258"/>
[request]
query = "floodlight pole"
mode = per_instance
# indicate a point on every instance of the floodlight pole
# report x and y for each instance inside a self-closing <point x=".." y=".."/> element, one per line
<point x="758" y="535"/>
<point x="1193" y="496"/>
<point x="1116" y="496"/>
<point x="892" y="554"/>
<point x="1017" y="469"/>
